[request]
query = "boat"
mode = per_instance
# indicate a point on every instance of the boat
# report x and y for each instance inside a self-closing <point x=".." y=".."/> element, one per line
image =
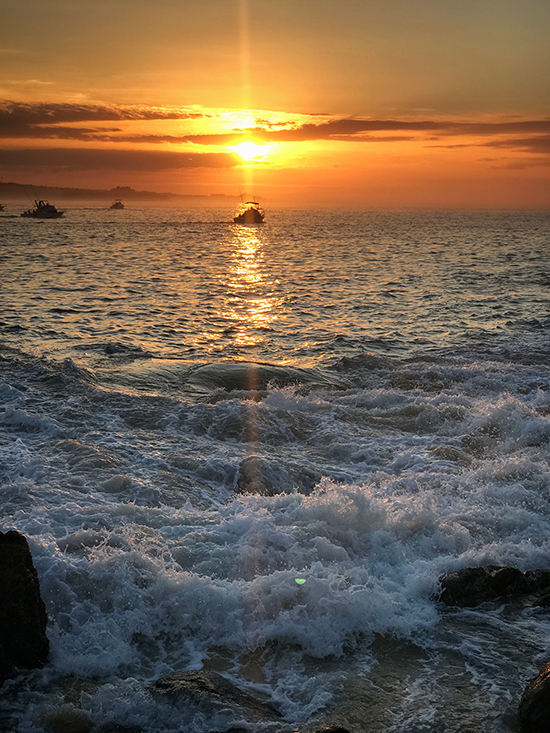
<point x="42" y="210"/>
<point x="117" y="204"/>
<point x="1" y="207"/>
<point x="249" y="213"/>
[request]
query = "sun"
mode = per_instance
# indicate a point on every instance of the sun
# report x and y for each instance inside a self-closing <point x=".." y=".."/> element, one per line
<point x="250" y="151"/>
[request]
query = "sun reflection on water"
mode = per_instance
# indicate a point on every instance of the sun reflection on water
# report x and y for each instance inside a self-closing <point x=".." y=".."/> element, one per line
<point x="250" y="301"/>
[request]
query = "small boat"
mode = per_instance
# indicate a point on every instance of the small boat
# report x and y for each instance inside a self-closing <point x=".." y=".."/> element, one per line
<point x="117" y="204"/>
<point x="249" y="213"/>
<point x="42" y="210"/>
<point x="1" y="207"/>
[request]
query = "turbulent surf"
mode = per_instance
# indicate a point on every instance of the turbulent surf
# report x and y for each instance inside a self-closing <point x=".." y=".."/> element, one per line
<point x="195" y="416"/>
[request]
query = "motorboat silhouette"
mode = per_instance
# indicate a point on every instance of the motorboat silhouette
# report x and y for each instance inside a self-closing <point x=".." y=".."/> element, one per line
<point x="249" y="213"/>
<point x="42" y="210"/>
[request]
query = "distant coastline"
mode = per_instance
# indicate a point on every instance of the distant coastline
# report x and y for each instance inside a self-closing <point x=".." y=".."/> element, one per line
<point x="24" y="191"/>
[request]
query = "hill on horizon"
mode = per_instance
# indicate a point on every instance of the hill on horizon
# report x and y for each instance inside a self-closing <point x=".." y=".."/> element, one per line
<point x="26" y="191"/>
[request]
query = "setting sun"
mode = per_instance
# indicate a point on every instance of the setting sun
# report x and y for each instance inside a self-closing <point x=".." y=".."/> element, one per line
<point x="250" y="151"/>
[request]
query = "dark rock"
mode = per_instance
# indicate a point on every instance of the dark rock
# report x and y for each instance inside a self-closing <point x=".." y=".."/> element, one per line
<point x="68" y="720"/>
<point x="212" y="691"/>
<point x="534" y="706"/>
<point x="475" y="585"/>
<point x="539" y="580"/>
<point x="23" y="617"/>
<point x="252" y="477"/>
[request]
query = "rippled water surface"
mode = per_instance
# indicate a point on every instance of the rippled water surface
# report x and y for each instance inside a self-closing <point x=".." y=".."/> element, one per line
<point x="194" y="414"/>
<point x="301" y="289"/>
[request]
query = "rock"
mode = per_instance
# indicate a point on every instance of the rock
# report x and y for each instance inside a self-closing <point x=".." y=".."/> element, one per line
<point x="362" y="707"/>
<point x="74" y="720"/>
<point x="252" y="477"/>
<point x="68" y="720"/>
<point x="475" y="585"/>
<point x="534" y="706"/>
<point x="211" y="691"/>
<point x="23" y="617"/>
<point x="333" y="728"/>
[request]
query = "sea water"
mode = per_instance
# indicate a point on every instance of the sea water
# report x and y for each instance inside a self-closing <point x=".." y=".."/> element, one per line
<point x="194" y="415"/>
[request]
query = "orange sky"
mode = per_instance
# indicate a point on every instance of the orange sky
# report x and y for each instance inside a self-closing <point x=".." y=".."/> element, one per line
<point x="401" y="103"/>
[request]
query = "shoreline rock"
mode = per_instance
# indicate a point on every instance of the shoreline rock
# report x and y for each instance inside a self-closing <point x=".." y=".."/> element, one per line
<point x="472" y="586"/>
<point x="23" y="617"/>
<point x="534" y="706"/>
<point x="209" y="690"/>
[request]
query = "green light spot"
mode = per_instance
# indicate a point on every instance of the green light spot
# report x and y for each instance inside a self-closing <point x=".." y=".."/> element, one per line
<point x="300" y="581"/>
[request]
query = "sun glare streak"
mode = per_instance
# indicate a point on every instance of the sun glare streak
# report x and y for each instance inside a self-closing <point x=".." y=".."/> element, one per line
<point x="244" y="34"/>
<point x="246" y="84"/>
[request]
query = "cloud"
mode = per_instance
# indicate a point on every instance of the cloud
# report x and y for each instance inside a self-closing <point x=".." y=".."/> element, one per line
<point x="516" y="164"/>
<point x="538" y="144"/>
<point x="67" y="159"/>
<point x="40" y="132"/>
<point x="362" y="130"/>
<point x="25" y="120"/>
<point x="76" y="122"/>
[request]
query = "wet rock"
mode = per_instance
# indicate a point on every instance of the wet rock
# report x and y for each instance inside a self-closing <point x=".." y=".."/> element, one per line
<point x="23" y="618"/>
<point x="534" y="706"/>
<point x="211" y="691"/>
<point x="68" y="720"/>
<point x="252" y="478"/>
<point x="475" y="585"/>
<point x="363" y="708"/>
<point x="332" y="728"/>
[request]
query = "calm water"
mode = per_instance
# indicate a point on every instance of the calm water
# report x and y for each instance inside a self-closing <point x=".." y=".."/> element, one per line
<point x="194" y="414"/>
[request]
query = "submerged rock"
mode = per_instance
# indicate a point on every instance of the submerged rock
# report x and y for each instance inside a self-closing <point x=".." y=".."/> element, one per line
<point x="252" y="477"/>
<point x="534" y="706"/>
<point x="475" y="585"/>
<point x="211" y="691"/>
<point x="256" y="475"/>
<point x="23" y="617"/>
<point x="362" y="708"/>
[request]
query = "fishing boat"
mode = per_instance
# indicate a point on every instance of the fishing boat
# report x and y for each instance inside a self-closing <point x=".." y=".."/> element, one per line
<point x="249" y="213"/>
<point x="42" y="210"/>
<point x="117" y="204"/>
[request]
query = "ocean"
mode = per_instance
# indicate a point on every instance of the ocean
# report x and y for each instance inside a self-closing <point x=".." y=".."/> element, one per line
<point x="255" y="450"/>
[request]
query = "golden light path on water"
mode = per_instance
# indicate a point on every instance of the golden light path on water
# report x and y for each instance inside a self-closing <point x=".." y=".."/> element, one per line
<point x="251" y="305"/>
<point x="249" y="302"/>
